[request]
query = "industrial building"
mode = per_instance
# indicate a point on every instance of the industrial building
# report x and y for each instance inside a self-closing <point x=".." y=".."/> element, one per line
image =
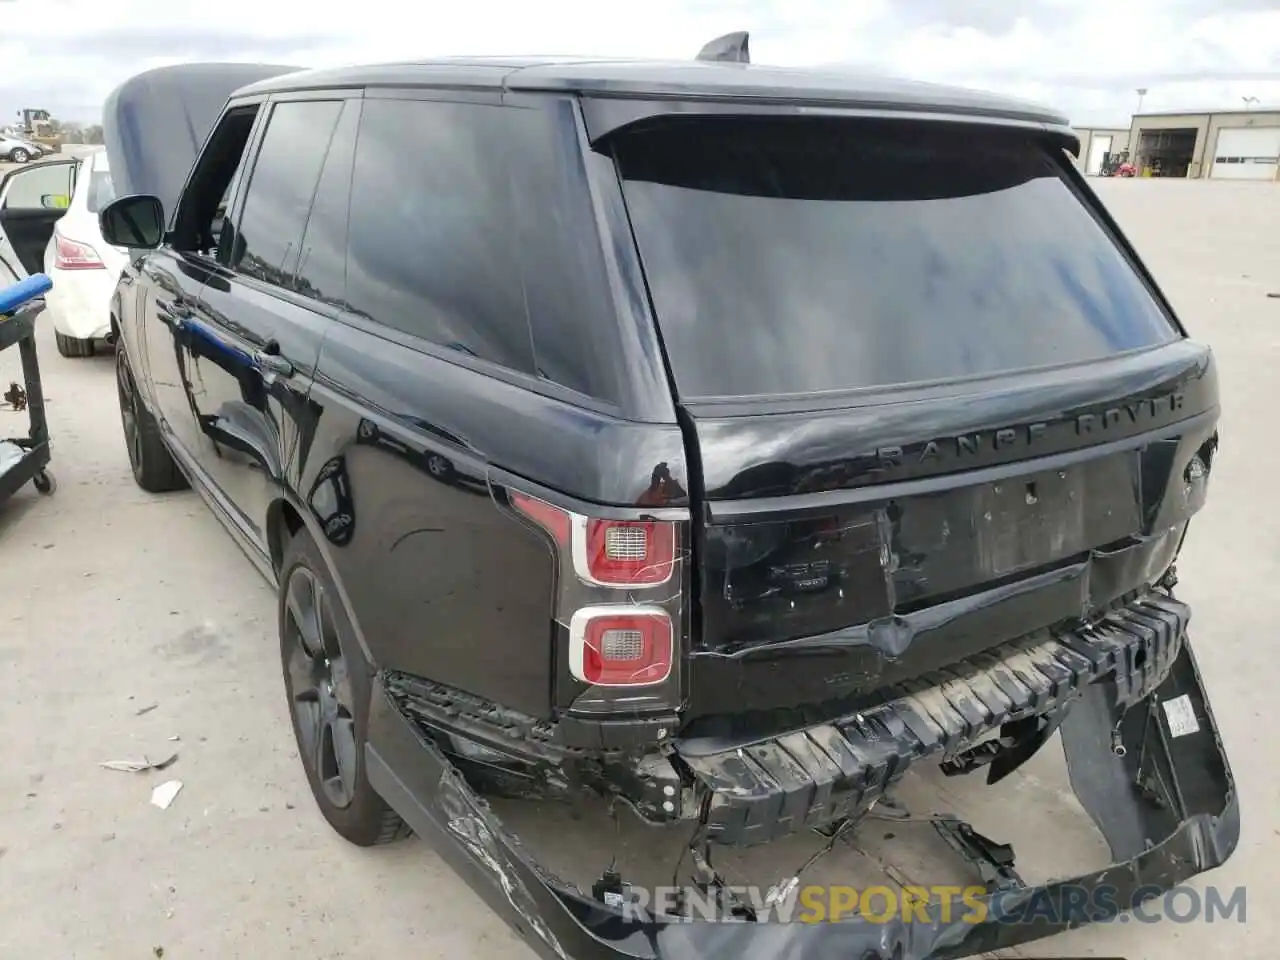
<point x="1097" y="142"/>
<point x="1221" y="144"/>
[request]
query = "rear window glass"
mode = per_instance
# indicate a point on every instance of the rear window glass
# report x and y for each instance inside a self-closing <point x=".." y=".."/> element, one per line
<point x="101" y="190"/>
<point x="796" y="256"/>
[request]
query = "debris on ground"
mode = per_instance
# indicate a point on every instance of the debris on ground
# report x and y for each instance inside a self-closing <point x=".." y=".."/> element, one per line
<point x="146" y="709"/>
<point x="16" y="397"/>
<point x="163" y="795"/>
<point x="139" y="766"/>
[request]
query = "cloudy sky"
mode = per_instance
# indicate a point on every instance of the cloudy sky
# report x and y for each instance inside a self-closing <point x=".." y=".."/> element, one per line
<point x="1086" y="57"/>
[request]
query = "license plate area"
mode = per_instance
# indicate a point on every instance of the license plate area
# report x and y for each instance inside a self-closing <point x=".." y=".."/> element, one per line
<point x="1041" y="518"/>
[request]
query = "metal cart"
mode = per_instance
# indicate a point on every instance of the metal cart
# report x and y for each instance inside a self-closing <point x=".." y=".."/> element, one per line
<point x="26" y="458"/>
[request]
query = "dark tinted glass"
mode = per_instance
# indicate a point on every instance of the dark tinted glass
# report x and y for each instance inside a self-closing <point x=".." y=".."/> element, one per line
<point x="322" y="266"/>
<point x="809" y="255"/>
<point x="430" y="250"/>
<point x="281" y="188"/>
<point x="570" y="306"/>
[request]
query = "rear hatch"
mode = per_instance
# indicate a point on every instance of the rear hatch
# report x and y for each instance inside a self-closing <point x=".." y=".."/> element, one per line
<point x="936" y="401"/>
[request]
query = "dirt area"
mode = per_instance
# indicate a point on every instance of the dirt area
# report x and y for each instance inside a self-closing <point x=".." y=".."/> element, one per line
<point x="127" y="620"/>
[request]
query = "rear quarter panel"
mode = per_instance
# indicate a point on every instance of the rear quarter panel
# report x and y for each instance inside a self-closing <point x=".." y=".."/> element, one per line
<point x="442" y="582"/>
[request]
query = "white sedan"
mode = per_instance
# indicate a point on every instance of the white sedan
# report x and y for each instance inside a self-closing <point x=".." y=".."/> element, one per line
<point x="83" y="267"/>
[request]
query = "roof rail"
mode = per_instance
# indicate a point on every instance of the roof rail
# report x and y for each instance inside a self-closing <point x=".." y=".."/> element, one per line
<point x="731" y="48"/>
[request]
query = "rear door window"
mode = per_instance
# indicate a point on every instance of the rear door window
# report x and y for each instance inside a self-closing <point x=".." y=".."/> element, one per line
<point x="322" y="266"/>
<point x="430" y="248"/>
<point x="797" y="256"/>
<point x="281" y="189"/>
<point x="471" y="229"/>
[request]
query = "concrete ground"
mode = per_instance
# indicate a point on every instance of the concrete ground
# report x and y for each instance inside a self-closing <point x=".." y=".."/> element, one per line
<point x="127" y="620"/>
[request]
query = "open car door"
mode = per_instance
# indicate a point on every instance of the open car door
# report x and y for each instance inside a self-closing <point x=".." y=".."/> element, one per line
<point x="32" y="200"/>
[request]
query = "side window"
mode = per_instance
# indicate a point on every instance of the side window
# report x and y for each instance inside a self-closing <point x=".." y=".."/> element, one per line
<point x="571" y="310"/>
<point x="199" y="225"/>
<point x="430" y="250"/>
<point x="322" y="267"/>
<point x="44" y="187"/>
<point x="281" y="188"/>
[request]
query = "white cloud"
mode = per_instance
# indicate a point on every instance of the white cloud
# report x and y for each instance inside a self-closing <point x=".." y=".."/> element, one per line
<point x="1085" y="57"/>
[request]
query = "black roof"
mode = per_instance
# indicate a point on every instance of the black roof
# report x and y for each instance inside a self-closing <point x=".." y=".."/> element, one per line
<point x="696" y="79"/>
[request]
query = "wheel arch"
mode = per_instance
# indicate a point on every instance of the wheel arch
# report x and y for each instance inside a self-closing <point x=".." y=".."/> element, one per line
<point x="283" y="522"/>
<point x="285" y="519"/>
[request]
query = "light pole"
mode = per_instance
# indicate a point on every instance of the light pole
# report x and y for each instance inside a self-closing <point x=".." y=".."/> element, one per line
<point x="1248" y="101"/>
<point x="1142" y="92"/>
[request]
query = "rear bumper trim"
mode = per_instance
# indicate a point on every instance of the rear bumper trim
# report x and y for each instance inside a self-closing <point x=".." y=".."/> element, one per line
<point x="763" y="791"/>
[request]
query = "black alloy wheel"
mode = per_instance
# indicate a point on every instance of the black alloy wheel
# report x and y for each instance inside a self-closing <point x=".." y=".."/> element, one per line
<point x="320" y="688"/>
<point x="329" y="685"/>
<point x="153" y="466"/>
<point x="128" y="394"/>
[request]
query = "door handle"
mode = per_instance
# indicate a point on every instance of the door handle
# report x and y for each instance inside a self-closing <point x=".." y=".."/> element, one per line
<point x="272" y="363"/>
<point x="174" y="314"/>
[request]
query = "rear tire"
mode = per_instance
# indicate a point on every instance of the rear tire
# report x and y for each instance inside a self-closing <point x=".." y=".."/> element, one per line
<point x="73" y="346"/>
<point x="328" y="685"/>
<point x="154" y="469"/>
<point x="18" y="155"/>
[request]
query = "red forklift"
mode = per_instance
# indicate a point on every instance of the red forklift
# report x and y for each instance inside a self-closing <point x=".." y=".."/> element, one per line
<point x="1117" y="164"/>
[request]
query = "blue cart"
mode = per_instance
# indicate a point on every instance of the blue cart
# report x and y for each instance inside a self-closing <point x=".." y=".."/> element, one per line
<point x="24" y="459"/>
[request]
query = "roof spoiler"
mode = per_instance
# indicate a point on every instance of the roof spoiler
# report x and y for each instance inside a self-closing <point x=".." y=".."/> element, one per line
<point x="731" y="48"/>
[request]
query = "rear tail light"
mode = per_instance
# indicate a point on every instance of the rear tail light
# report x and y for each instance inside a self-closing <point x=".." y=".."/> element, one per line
<point x="623" y="553"/>
<point x="621" y="602"/>
<point x="72" y="255"/>
<point x="608" y="553"/>
<point x="608" y="648"/>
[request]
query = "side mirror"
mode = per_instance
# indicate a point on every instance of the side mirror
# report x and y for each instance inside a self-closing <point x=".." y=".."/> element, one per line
<point x="136" y="221"/>
<point x="55" y="201"/>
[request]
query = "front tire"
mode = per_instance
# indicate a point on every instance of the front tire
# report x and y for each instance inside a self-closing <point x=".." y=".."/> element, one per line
<point x="328" y="684"/>
<point x="18" y="155"/>
<point x="73" y="346"/>
<point x="154" y="469"/>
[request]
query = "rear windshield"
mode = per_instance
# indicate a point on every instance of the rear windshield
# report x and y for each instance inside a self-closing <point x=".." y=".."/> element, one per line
<point x="803" y="255"/>
<point x="101" y="190"/>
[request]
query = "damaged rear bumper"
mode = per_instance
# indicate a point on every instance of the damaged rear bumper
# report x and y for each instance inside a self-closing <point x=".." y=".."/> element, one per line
<point x="763" y="790"/>
<point x="1143" y="753"/>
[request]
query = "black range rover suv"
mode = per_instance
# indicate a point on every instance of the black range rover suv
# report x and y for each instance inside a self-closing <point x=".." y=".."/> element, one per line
<point x="720" y="438"/>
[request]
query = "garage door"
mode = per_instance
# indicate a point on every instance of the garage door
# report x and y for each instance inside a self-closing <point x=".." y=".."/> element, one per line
<point x="1251" y="153"/>
<point x="1099" y="146"/>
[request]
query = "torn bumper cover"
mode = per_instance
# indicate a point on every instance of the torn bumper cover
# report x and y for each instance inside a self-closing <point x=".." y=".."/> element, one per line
<point x="1143" y="755"/>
